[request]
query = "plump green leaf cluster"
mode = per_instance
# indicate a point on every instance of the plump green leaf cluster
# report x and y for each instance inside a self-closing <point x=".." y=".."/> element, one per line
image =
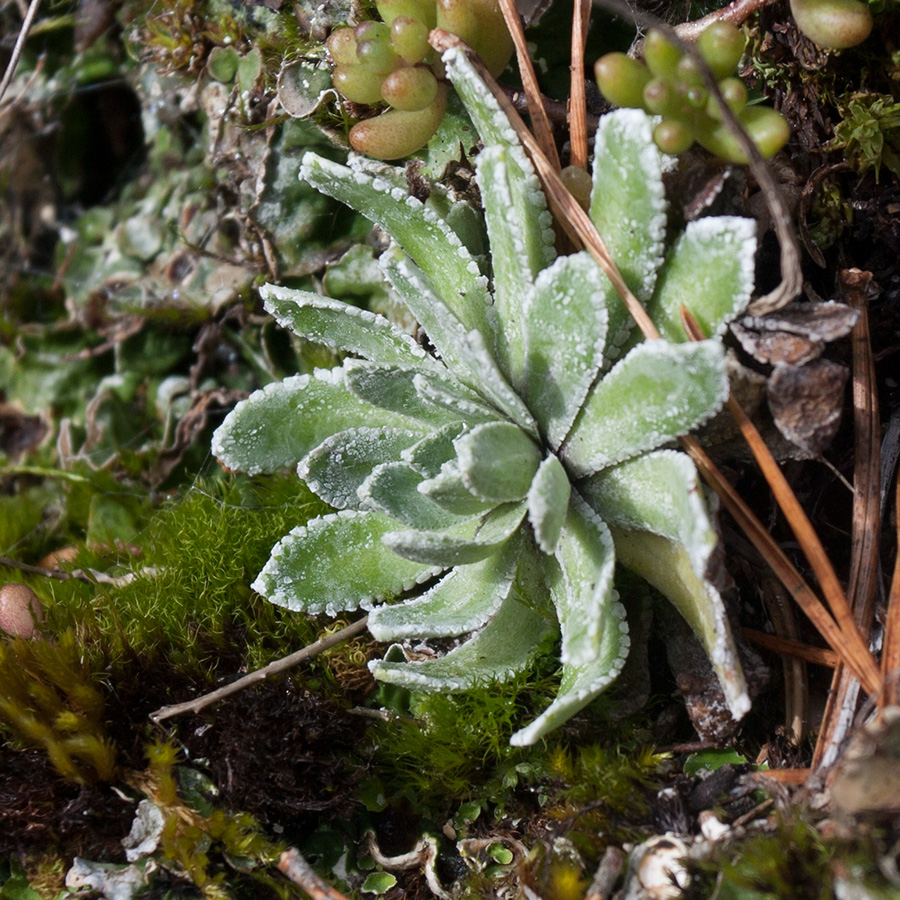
<point x="670" y="85"/>
<point x="391" y="62"/>
<point x="492" y="481"/>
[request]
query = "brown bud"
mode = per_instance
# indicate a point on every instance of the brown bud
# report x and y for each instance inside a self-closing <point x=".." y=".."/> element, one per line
<point x="20" y="610"/>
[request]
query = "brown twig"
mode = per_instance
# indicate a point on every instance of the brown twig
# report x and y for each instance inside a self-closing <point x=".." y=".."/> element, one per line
<point x="539" y="120"/>
<point x="19" y="47"/>
<point x="578" y="134"/>
<point x="866" y="528"/>
<point x="293" y="866"/>
<point x="819" y="656"/>
<point x="890" y="656"/>
<point x="275" y="668"/>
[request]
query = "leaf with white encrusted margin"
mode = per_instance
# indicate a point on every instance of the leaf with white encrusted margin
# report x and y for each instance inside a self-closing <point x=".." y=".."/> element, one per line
<point x="467" y="543"/>
<point x="466" y="353"/>
<point x="581" y="684"/>
<point x="657" y="392"/>
<point x="391" y="387"/>
<point x="586" y="557"/>
<point x="528" y="215"/>
<point x="467" y="406"/>
<point x="565" y="334"/>
<point x="463" y="600"/>
<point x="425" y="236"/>
<point x="548" y="503"/>
<point x="449" y="491"/>
<point x="517" y="633"/>
<point x="655" y="508"/>
<point x="392" y="488"/>
<point x="628" y="206"/>
<point x="275" y="427"/>
<point x="431" y="452"/>
<point x="341" y="463"/>
<point x="342" y="326"/>
<point x="310" y="569"/>
<point x="709" y="270"/>
<point x="497" y="461"/>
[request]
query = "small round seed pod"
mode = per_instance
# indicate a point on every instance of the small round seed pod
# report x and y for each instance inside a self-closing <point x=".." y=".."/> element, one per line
<point x="20" y="610"/>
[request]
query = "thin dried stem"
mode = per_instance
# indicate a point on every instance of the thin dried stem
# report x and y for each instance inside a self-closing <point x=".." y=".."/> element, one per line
<point x="578" y="135"/>
<point x="539" y="120"/>
<point x="19" y="47"/>
<point x="816" y="655"/>
<point x="294" y="867"/>
<point x="866" y="523"/>
<point x="890" y="655"/>
<point x="275" y="668"/>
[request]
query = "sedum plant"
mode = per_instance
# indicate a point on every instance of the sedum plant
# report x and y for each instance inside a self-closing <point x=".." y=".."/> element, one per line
<point x="484" y="486"/>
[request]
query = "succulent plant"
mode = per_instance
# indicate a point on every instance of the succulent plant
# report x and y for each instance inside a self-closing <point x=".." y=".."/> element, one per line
<point x="670" y="85"/>
<point x="833" y="24"/>
<point x="391" y="61"/>
<point x="487" y="483"/>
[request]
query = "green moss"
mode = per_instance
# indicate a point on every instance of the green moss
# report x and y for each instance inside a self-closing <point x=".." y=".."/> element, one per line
<point x="189" y="604"/>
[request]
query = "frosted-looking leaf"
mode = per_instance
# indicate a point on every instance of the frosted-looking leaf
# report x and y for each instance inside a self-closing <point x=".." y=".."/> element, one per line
<point x="497" y="461"/>
<point x="277" y="426"/>
<point x="341" y="463"/>
<point x="461" y="601"/>
<point x="337" y="562"/>
<point x="464" y="404"/>
<point x="429" y="454"/>
<point x="461" y="545"/>
<point x="448" y="490"/>
<point x="710" y="270"/>
<point x="528" y="214"/>
<point x="654" y="505"/>
<point x="392" y="387"/>
<point x="425" y="236"/>
<point x="548" y="503"/>
<point x="565" y="333"/>
<point x="628" y="206"/>
<point x="508" y="643"/>
<point x="466" y="353"/>
<point x="340" y="325"/>
<point x="583" y="594"/>
<point x="510" y="262"/>
<point x="392" y="489"/>
<point x="581" y="684"/>
<point x="654" y="394"/>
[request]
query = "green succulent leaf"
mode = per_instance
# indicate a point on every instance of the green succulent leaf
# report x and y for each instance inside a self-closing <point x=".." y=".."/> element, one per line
<point x="548" y="503"/>
<point x="278" y="425"/>
<point x="462" y="601"/>
<point x="449" y="490"/>
<point x="519" y="630"/>
<point x="466" y="353"/>
<point x="657" y="392"/>
<point x="581" y="684"/>
<point x="565" y="321"/>
<point x="655" y="507"/>
<point x="342" y="326"/>
<point x="395" y="389"/>
<point x="709" y="271"/>
<point x="428" y="455"/>
<point x="464" y="544"/>
<point x="628" y="206"/>
<point x="392" y="489"/>
<point x="424" y="235"/>
<point x="586" y="558"/>
<point x="497" y="461"/>
<point x="308" y="570"/>
<point x="340" y="464"/>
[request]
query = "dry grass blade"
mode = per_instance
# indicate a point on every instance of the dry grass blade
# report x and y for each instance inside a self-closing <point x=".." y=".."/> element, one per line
<point x="19" y="47"/>
<point x="866" y="527"/>
<point x="853" y="649"/>
<point x="815" y="655"/>
<point x="539" y="119"/>
<point x="578" y="135"/>
<point x="890" y="656"/>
